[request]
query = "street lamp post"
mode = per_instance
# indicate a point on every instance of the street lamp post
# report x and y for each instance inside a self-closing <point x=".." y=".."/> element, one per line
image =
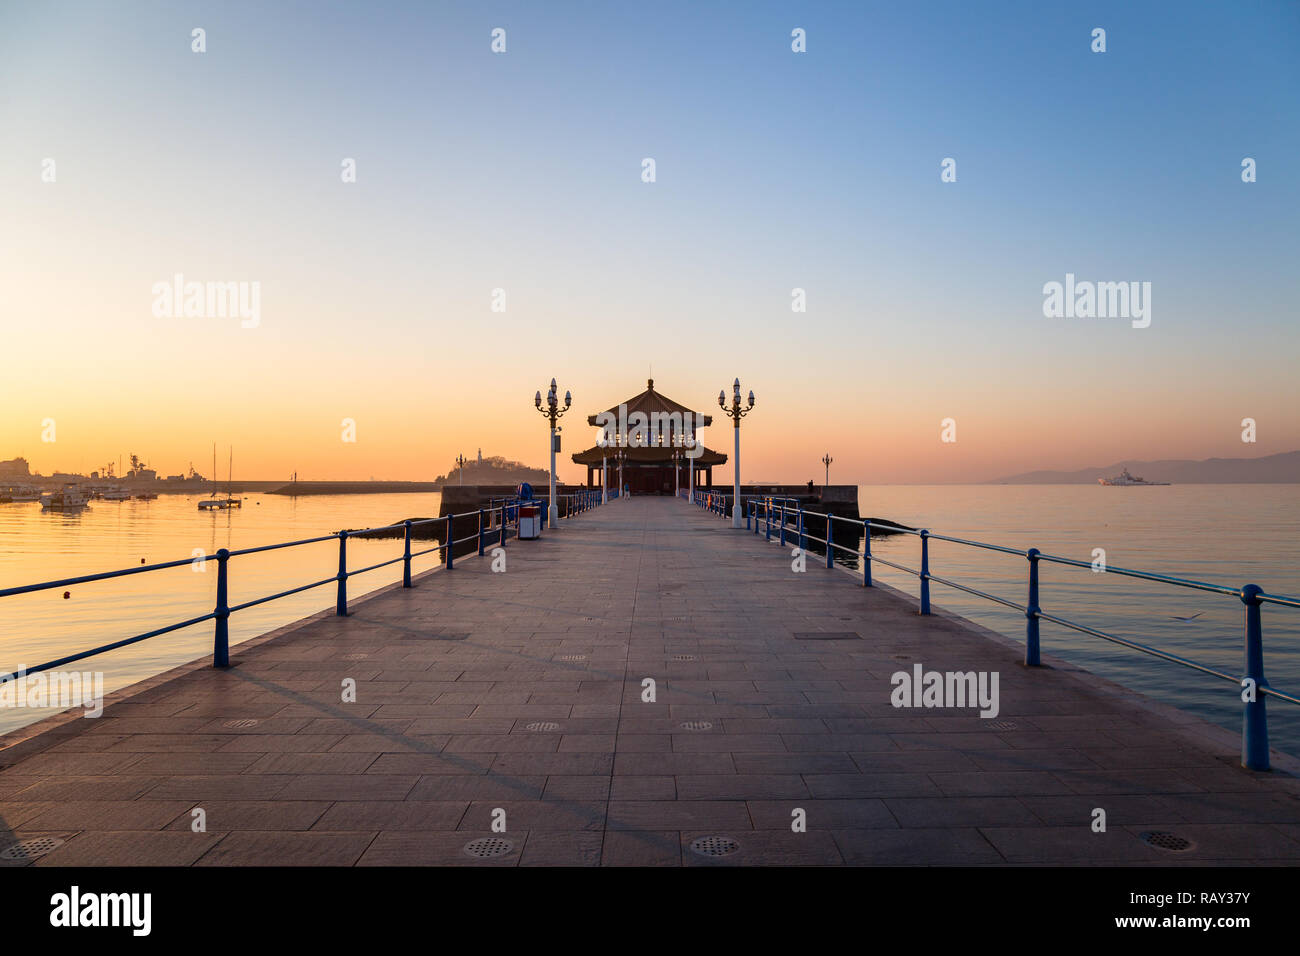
<point x="737" y="411"/>
<point x="622" y="457"/>
<point x="677" y="471"/>
<point x="460" y="466"/>
<point x="690" y="471"/>
<point x="827" y="460"/>
<point x="554" y="412"/>
<point x="604" y="479"/>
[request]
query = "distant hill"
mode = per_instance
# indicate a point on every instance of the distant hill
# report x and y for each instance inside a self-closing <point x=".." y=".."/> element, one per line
<point x="495" y="471"/>
<point x="1271" y="469"/>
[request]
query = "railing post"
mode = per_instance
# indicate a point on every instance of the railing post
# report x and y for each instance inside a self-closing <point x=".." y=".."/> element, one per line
<point x="830" y="536"/>
<point x="341" y="605"/>
<point x="767" y="519"/>
<point x="503" y="525"/>
<point x="925" y="571"/>
<point x="803" y="544"/>
<point x="480" y="532"/>
<point x="1254" y="718"/>
<point x="451" y="545"/>
<point x="406" y="556"/>
<point x="221" y="642"/>
<point x="782" y="524"/>
<point x="1032" y="656"/>
<point x="866" y="553"/>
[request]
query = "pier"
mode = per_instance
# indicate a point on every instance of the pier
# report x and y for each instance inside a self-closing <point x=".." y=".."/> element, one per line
<point x="519" y="698"/>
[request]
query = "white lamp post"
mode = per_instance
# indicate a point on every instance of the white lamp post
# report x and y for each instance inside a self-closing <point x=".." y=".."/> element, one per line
<point x="737" y="411"/>
<point x="690" y="470"/>
<point x="553" y="412"/>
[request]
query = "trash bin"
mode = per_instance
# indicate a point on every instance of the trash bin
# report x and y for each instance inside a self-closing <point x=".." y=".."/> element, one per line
<point x="530" y="522"/>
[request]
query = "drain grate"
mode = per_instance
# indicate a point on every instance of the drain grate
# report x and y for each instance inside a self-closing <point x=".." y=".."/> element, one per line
<point x="714" y="846"/>
<point x="900" y="657"/>
<point x="683" y="657"/>
<point x="572" y="657"/>
<point x="242" y="723"/>
<point x="488" y="847"/>
<point x="355" y="657"/>
<point x="1002" y="725"/>
<point x="696" y="725"/>
<point x="30" y="849"/>
<point x="827" y="636"/>
<point x="542" y="726"/>
<point x="1164" y="840"/>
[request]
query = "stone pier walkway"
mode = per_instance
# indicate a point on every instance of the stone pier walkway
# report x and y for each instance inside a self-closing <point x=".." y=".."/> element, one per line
<point x="521" y="692"/>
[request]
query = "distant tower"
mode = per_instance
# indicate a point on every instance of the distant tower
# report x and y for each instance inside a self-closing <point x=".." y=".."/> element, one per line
<point x="480" y="457"/>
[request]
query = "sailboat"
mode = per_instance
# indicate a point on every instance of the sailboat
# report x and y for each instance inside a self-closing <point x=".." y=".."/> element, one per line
<point x="212" y="502"/>
<point x="231" y="501"/>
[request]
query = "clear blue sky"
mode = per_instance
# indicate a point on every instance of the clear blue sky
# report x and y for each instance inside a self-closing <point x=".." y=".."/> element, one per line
<point x="775" y="170"/>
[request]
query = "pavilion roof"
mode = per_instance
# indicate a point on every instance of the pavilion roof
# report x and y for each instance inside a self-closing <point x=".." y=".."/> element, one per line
<point x="645" y="454"/>
<point x="649" y="402"/>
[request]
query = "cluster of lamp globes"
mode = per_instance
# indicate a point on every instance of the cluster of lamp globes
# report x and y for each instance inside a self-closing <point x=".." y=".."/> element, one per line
<point x="722" y="396"/>
<point x="551" y="400"/>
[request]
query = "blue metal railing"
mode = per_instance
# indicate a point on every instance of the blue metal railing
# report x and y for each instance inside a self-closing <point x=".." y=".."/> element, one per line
<point x="1255" y="688"/>
<point x="492" y="528"/>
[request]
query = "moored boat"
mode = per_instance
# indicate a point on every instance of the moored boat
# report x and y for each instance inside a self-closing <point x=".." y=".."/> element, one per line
<point x="71" y="498"/>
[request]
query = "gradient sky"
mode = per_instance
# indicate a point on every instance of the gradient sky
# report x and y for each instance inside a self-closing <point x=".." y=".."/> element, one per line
<point x="775" y="170"/>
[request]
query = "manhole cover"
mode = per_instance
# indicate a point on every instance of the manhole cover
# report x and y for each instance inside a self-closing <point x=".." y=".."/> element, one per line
<point x="1002" y="725"/>
<point x="683" y="657"/>
<point x="827" y="636"/>
<point x="1163" y="840"/>
<point x="355" y="657"/>
<point x="542" y="725"/>
<point x="695" y="725"/>
<point x="714" y="846"/>
<point x="242" y="723"/>
<point x="572" y="657"/>
<point x="488" y="847"/>
<point x="30" y="849"/>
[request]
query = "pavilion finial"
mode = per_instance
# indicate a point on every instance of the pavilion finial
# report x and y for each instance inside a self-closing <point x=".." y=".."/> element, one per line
<point x="650" y="383"/>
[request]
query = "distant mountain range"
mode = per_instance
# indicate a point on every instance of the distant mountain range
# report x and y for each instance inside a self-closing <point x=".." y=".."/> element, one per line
<point x="1271" y="469"/>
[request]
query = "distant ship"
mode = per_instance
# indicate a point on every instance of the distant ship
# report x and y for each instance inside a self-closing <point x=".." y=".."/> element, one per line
<point x="1124" y="478"/>
<point x="70" y="498"/>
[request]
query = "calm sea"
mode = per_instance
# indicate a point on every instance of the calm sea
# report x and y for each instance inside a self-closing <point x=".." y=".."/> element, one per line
<point x="39" y="546"/>
<point x="1220" y="534"/>
<point x="1229" y="534"/>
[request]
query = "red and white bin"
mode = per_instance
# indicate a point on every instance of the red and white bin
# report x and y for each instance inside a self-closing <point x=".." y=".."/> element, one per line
<point x="530" y="522"/>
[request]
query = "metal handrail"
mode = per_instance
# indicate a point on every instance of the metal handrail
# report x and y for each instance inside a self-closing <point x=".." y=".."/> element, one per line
<point x="760" y="511"/>
<point x="575" y="504"/>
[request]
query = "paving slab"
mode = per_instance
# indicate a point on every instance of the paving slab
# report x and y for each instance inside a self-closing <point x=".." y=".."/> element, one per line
<point x="643" y="678"/>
